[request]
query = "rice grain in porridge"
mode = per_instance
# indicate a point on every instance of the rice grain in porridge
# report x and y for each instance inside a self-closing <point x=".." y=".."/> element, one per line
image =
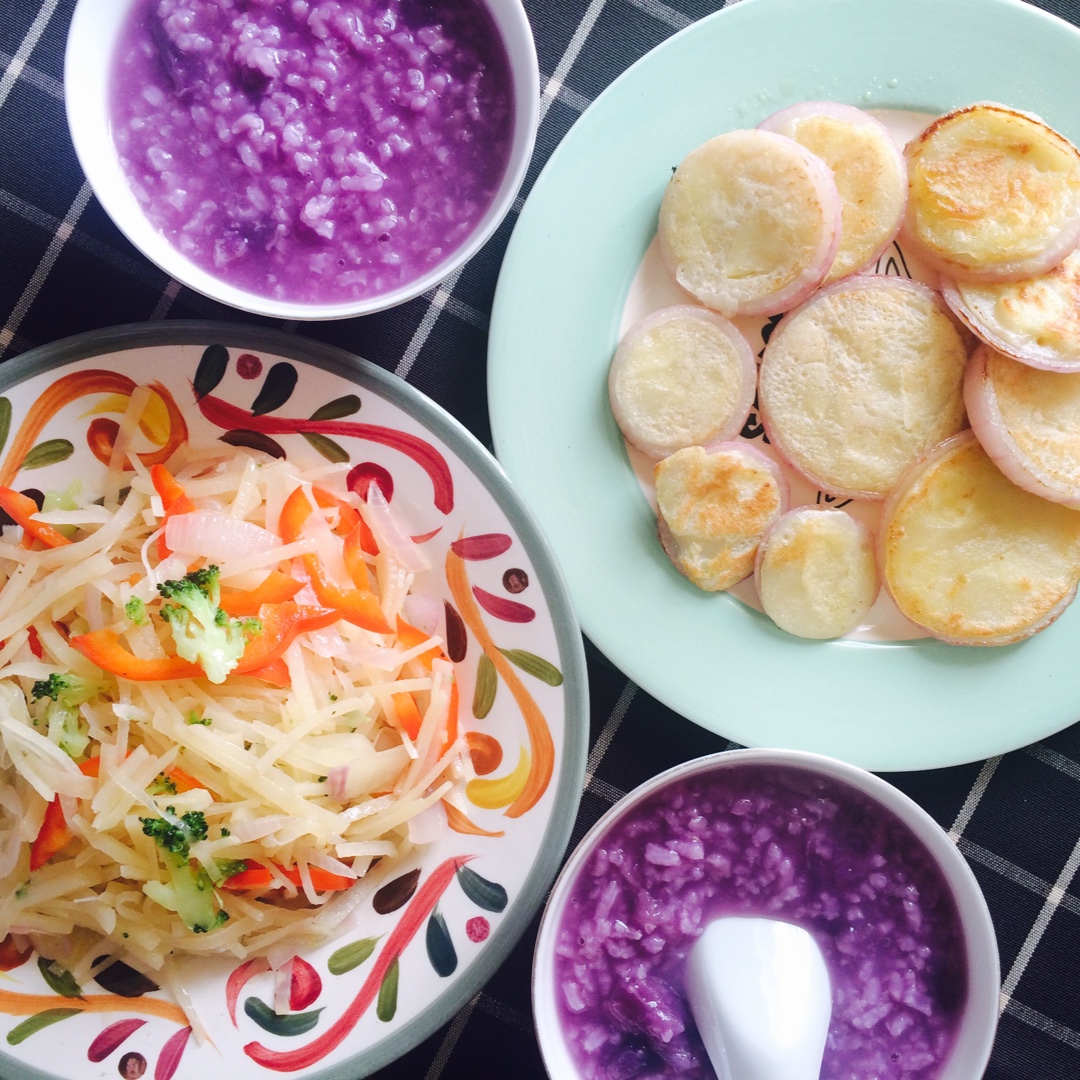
<point x="766" y="841"/>
<point x="313" y="150"/>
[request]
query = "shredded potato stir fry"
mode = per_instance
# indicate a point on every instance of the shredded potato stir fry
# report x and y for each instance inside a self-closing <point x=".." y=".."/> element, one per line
<point x="215" y="713"/>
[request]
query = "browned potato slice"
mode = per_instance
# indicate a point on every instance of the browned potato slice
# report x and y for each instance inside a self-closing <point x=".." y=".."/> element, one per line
<point x="970" y="556"/>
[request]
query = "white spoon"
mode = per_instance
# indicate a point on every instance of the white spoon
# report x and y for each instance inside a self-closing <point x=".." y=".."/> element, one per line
<point x="759" y="991"/>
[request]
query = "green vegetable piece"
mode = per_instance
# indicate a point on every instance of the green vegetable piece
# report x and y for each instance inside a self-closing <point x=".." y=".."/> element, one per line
<point x="440" y="946"/>
<point x="534" y="665"/>
<point x="203" y="633"/>
<point x="332" y="451"/>
<point x="275" y="1023"/>
<point x="487" y="682"/>
<point x="135" y="610"/>
<point x="386" y="1006"/>
<point x="351" y="956"/>
<point x="339" y="407"/>
<point x="211" y="370"/>
<point x="483" y="893"/>
<point x="59" y="979"/>
<point x="63" y="695"/>
<point x="20" y="1032"/>
<point x="48" y="453"/>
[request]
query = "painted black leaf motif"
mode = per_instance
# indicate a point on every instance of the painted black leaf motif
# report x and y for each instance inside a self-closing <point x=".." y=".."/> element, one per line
<point x="278" y="1024"/>
<point x="440" y="948"/>
<point x="5" y="421"/>
<point x="386" y="1006"/>
<point x="534" y="665"/>
<point x="48" y="453"/>
<point x="329" y="449"/>
<point x="59" y="979"/>
<point x="487" y="683"/>
<point x="350" y="956"/>
<point x="339" y="407"/>
<point x="396" y="893"/>
<point x="277" y="388"/>
<point x="457" y="639"/>
<point x="254" y="440"/>
<point x="122" y="980"/>
<point x="483" y="893"/>
<point x="211" y="370"/>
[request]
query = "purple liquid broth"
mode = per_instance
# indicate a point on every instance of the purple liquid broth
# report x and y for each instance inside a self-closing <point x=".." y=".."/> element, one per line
<point x="313" y="150"/>
<point x="762" y="841"/>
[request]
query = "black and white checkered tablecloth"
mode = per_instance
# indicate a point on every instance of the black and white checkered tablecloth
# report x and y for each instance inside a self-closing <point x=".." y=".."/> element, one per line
<point x="64" y="269"/>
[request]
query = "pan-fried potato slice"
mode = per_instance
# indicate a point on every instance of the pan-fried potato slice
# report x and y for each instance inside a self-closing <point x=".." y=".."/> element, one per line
<point x="868" y="167"/>
<point x="993" y="194"/>
<point x="682" y="376"/>
<point x="1036" y="321"/>
<point x="1028" y="421"/>
<point x="714" y="505"/>
<point x="750" y="222"/>
<point x="815" y="572"/>
<point x="970" y="556"/>
<point x="862" y="379"/>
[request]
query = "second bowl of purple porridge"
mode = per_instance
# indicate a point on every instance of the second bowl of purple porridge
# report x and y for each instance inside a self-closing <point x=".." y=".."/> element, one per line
<point x="896" y="910"/>
<point x="304" y="159"/>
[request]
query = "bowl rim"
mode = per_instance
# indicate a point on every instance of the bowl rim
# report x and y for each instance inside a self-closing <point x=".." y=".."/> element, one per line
<point x="974" y="1041"/>
<point x="96" y="23"/>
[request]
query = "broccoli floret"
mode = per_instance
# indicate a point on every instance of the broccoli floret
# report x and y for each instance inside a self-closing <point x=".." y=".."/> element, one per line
<point x="135" y="610"/>
<point x="227" y="868"/>
<point x="203" y="633"/>
<point x="189" y="891"/>
<point x="63" y="695"/>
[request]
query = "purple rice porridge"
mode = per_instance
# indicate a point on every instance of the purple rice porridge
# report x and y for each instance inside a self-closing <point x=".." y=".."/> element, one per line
<point x="760" y="840"/>
<point x="313" y="150"/>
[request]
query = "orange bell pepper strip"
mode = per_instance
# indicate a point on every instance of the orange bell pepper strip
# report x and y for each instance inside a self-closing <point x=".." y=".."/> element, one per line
<point x="276" y="673"/>
<point x="358" y="606"/>
<point x="257" y="876"/>
<point x="21" y="508"/>
<point x="53" y="836"/>
<point x="353" y="552"/>
<point x="281" y="624"/>
<point x="410" y="636"/>
<point x="348" y="517"/>
<point x="276" y="589"/>
<point x="174" y="500"/>
<point x="408" y="717"/>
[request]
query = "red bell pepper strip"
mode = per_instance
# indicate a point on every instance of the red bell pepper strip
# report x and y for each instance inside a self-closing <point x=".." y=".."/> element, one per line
<point x="256" y="876"/>
<point x="21" y="508"/>
<point x="174" y="500"/>
<point x="276" y="589"/>
<point x="276" y="673"/>
<point x="53" y="836"/>
<point x="103" y="648"/>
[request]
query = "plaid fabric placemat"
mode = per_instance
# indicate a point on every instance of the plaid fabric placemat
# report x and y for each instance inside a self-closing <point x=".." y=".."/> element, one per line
<point x="64" y="269"/>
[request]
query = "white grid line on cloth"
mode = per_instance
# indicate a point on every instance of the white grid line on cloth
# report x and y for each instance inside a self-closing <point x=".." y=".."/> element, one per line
<point x="26" y="47"/>
<point x="1054" y="760"/>
<point x="1042" y="1023"/>
<point x="572" y="99"/>
<point x="1027" y="950"/>
<point x="41" y="272"/>
<point x="165" y="301"/>
<point x="978" y="790"/>
<point x="566" y="62"/>
<point x="662" y="13"/>
<point x="427" y="323"/>
<point x="601" y="788"/>
<point x="607" y="733"/>
<point x="32" y="77"/>
<point x="450" y="1040"/>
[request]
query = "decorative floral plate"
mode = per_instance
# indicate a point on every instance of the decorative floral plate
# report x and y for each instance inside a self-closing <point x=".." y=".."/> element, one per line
<point x="427" y="938"/>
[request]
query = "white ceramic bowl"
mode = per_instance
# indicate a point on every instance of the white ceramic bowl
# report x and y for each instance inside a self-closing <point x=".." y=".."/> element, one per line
<point x="978" y="1022"/>
<point x="92" y="40"/>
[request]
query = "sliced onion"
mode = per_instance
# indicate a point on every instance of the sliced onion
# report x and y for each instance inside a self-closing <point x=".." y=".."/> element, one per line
<point x="216" y="536"/>
<point x="429" y="825"/>
<point x="257" y="828"/>
<point x="392" y="539"/>
<point x="423" y="610"/>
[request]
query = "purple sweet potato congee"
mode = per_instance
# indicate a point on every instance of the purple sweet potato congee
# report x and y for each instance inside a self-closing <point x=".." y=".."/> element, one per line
<point x="313" y="150"/>
<point x="760" y="840"/>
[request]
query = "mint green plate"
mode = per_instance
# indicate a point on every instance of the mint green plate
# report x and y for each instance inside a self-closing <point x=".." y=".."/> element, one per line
<point x="573" y="254"/>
